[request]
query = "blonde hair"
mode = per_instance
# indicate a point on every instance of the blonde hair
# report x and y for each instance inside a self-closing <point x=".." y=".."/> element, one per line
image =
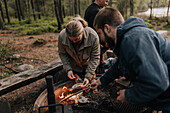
<point x="75" y="27"/>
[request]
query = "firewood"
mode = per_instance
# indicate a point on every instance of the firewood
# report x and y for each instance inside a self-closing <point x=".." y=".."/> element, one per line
<point x="74" y="94"/>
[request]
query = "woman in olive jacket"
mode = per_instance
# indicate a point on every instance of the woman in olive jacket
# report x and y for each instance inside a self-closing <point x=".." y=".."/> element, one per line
<point x="79" y="49"/>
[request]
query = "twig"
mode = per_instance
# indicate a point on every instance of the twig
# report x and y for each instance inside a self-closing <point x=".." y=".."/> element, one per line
<point x="14" y="71"/>
<point x="74" y="94"/>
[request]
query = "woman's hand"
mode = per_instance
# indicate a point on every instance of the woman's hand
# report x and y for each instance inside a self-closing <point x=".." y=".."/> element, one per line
<point x="85" y="82"/>
<point x="70" y="75"/>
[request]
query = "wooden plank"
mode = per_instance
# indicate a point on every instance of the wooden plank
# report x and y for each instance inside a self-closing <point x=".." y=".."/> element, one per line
<point x="19" y="80"/>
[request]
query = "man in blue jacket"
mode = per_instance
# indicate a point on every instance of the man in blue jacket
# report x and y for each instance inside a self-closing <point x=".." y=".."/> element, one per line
<point x="143" y="56"/>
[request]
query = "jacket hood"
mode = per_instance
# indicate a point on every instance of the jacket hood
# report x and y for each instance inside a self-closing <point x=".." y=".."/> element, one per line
<point x="130" y="23"/>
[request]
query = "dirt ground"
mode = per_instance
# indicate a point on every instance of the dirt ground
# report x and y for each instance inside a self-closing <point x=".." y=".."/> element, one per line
<point x="22" y="99"/>
<point x="35" y="50"/>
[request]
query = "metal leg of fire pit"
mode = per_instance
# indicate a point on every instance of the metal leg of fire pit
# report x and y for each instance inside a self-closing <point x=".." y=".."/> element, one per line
<point x="50" y="95"/>
<point x="51" y="105"/>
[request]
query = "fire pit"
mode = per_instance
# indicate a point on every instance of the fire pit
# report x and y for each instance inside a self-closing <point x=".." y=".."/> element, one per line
<point x="80" y="101"/>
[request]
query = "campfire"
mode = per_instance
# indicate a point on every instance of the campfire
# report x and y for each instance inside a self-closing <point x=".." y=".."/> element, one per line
<point x="74" y="99"/>
<point x="68" y="97"/>
<point x="73" y="94"/>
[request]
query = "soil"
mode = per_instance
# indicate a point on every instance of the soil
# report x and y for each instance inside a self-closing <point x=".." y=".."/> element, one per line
<point x="35" y="50"/>
<point x="22" y="99"/>
<point x="32" y="52"/>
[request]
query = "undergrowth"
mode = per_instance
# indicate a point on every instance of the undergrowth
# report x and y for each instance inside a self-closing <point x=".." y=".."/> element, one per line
<point x="157" y="23"/>
<point x="6" y="51"/>
<point x="44" y="25"/>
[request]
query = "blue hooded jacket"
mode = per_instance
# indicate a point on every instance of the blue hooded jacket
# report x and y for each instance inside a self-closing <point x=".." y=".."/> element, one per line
<point x="144" y="58"/>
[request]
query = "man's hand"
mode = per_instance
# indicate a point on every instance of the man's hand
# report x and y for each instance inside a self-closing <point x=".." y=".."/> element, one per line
<point x="121" y="97"/>
<point x="85" y="82"/>
<point x="70" y="75"/>
<point x="95" y="84"/>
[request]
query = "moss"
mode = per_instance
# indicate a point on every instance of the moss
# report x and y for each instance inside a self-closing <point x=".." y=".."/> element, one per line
<point x="25" y="27"/>
<point x="39" y="42"/>
<point x="149" y="25"/>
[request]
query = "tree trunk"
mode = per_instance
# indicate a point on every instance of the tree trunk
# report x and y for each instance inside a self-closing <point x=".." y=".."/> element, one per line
<point x="17" y="8"/>
<point x="56" y="14"/>
<point x="32" y="4"/>
<point x="38" y="9"/>
<point x="151" y="6"/>
<point x="6" y="8"/>
<point x="29" y="11"/>
<point x="60" y="11"/>
<point x="20" y="9"/>
<point x="26" y="7"/>
<point x="75" y="7"/>
<point x="2" y="14"/>
<point x="1" y="23"/>
<point x="168" y="13"/>
<point x="70" y="8"/>
<point x="64" y="14"/>
<point x="16" y="12"/>
<point x="131" y="7"/>
<point x="44" y="9"/>
<point x="79" y="3"/>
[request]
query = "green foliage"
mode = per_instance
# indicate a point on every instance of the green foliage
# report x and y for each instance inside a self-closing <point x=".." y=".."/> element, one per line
<point x="7" y="74"/>
<point x="157" y="23"/>
<point x="6" y="50"/>
<point x="39" y="42"/>
<point x="66" y="20"/>
<point x="44" y="25"/>
<point x="25" y="27"/>
<point x="149" y="25"/>
<point x="167" y="27"/>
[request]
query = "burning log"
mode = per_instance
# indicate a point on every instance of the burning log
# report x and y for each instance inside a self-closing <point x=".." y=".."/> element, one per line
<point x="74" y="94"/>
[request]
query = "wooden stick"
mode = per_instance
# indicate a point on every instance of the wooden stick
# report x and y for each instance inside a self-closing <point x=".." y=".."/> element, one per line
<point x="74" y="94"/>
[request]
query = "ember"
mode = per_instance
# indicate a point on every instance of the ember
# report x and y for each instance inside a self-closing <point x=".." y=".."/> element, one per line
<point x="68" y="97"/>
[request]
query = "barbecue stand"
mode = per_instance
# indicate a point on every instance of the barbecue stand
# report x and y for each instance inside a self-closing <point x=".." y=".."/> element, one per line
<point x="48" y="102"/>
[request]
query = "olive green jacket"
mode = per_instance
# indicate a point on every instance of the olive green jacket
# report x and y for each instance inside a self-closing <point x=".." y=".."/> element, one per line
<point x="87" y="57"/>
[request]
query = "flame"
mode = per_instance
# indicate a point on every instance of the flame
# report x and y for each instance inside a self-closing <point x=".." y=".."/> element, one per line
<point x="62" y="95"/>
<point x="64" y="87"/>
<point x="73" y="99"/>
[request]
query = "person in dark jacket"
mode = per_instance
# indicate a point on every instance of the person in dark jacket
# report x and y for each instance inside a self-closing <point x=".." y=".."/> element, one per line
<point x="143" y="56"/>
<point x="93" y="9"/>
<point x="90" y="14"/>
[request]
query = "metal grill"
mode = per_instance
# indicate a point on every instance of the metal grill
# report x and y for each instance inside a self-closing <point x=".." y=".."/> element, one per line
<point x="105" y="104"/>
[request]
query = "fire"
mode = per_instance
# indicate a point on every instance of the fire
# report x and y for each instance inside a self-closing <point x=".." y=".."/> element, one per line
<point x="71" y="99"/>
<point x="62" y="96"/>
<point x="64" y="87"/>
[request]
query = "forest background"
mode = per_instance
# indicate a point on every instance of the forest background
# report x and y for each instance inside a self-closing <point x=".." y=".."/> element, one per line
<point x="35" y="17"/>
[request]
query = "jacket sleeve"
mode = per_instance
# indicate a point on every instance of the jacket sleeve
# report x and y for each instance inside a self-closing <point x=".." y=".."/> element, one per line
<point x="65" y="58"/>
<point x="145" y="63"/>
<point x="110" y="75"/>
<point x="94" y="58"/>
